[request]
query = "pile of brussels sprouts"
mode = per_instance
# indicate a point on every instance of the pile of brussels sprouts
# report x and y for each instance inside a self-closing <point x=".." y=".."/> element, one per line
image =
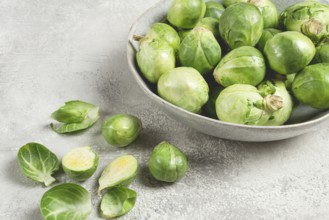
<point x="240" y="62"/>
<point x="71" y="201"/>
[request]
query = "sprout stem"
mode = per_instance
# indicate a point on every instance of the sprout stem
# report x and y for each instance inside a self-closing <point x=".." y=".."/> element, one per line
<point x="49" y="180"/>
<point x="273" y="103"/>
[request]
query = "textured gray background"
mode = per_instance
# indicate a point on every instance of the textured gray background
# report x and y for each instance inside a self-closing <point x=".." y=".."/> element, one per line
<point x="54" y="51"/>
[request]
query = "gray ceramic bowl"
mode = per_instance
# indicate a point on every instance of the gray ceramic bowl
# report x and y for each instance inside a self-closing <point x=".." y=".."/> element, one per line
<point x="303" y="120"/>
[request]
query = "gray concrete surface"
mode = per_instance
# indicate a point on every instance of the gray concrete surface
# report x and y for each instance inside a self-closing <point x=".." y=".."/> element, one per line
<point x="54" y="51"/>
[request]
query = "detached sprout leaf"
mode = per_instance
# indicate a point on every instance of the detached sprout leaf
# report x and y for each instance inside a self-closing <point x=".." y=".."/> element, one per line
<point x="67" y="201"/>
<point x="38" y="163"/>
<point x="117" y="201"/>
<point x="75" y="116"/>
<point x="120" y="172"/>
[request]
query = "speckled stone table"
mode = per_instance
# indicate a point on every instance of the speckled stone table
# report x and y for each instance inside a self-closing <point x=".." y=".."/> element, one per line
<point x="54" y="51"/>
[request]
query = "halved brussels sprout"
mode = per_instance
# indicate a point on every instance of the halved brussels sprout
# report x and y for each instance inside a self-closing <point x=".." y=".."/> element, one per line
<point x="75" y="115"/>
<point x="186" y="13"/>
<point x="310" y="18"/>
<point x="278" y="88"/>
<point x="289" y="52"/>
<point x="67" y="201"/>
<point x="214" y="9"/>
<point x="154" y="58"/>
<point x="164" y="32"/>
<point x="243" y="104"/>
<point x="117" y="201"/>
<point x="167" y="163"/>
<point x="241" y="25"/>
<point x="121" y="130"/>
<point x="267" y="8"/>
<point x="38" y="163"/>
<point x="267" y="34"/>
<point x="185" y="88"/>
<point x="311" y="86"/>
<point x="80" y="163"/>
<point x="120" y="172"/>
<point x="243" y="65"/>
<point x="322" y="53"/>
<point x="200" y="50"/>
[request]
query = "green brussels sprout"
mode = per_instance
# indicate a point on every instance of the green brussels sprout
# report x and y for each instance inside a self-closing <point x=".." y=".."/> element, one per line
<point x="243" y="65"/>
<point x="310" y="18"/>
<point x="214" y="9"/>
<point x="67" y="201"/>
<point x="38" y="163"/>
<point x="120" y="172"/>
<point x="210" y="107"/>
<point x="289" y="52"/>
<point x="186" y="13"/>
<point x="267" y="34"/>
<point x="243" y="104"/>
<point x="278" y="88"/>
<point x="289" y="80"/>
<point x="200" y="50"/>
<point x="120" y="130"/>
<point x="267" y="8"/>
<point x="322" y="54"/>
<point x="164" y="32"/>
<point x="80" y="163"/>
<point x="241" y="24"/>
<point x="154" y="58"/>
<point x="167" y="163"/>
<point x="209" y="23"/>
<point x="185" y="88"/>
<point x="117" y="201"/>
<point x="75" y="115"/>
<point x="311" y="86"/>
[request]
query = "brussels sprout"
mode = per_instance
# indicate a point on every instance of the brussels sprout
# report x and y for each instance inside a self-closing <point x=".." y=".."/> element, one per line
<point x="243" y="104"/>
<point x="322" y="54"/>
<point x="120" y="172"/>
<point x="75" y="115"/>
<point x="67" y="201"/>
<point x="200" y="50"/>
<point x="289" y="80"/>
<point x="267" y="8"/>
<point x="209" y="23"/>
<point x="214" y="9"/>
<point x="185" y="88"/>
<point x="164" y="32"/>
<point x="243" y="65"/>
<point x="241" y="25"/>
<point x="299" y="54"/>
<point x="38" y="163"/>
<point x="167" y="163"/>
<point x="311" y="86"/>
<point x="210" y="107"/>
<point x="80" y="163"/>
<point x="310" y="17"/>
<point x="117" y="201"/>
<point x="278" y="88"/>
<point x="155" y="58"/>
<point x="186" y="13"/>
<point x="267" y="34"/>
<point x="121" y="130"/>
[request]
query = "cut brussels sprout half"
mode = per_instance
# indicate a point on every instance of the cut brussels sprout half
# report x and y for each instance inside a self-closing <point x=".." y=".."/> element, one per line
<point x="67" y="201"/>
<point x="167" y="163"/>
<point x="117" y="201"/>
<point x="121" y="130"/>
<point x="120" y="172"/>
<point x="80" y="163"/>
<point x="38" y="163"/>
<point x="75" y="116"/>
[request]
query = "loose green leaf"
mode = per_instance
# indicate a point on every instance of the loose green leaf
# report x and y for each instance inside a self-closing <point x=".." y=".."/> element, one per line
<point x="122" y="171"/>
<point x="117" y="201"/>
<point x="38" y="163"/>
<point x="67" y="201"/>
<point x="75" y="116"/>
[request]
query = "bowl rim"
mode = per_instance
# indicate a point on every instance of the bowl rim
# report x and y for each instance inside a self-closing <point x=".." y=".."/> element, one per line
<point x="153" y="96"/>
